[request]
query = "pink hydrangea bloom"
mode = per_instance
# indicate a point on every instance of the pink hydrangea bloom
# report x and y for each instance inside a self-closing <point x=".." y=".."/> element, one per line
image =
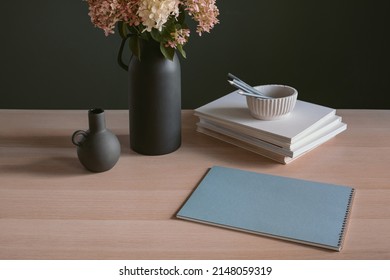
<point x="106" y="13"/>
<point x="179" y="37"/>
<point x="205" y="12"/>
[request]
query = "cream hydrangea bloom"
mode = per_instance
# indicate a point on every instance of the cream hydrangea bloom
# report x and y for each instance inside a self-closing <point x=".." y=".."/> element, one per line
<point x="155" y="13"/>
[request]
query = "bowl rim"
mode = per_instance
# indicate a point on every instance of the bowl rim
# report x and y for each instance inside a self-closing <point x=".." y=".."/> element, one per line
<point x="295" y="91"/>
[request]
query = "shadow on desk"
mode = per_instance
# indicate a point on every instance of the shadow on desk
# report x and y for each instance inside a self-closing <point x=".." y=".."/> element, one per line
<point x="48" y="155"/>
<point x="51" y="166"/>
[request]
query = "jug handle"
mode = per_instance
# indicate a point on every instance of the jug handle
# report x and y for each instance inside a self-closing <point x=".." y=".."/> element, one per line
<point x="120" y="53"/>
<point x="78" y="133"/>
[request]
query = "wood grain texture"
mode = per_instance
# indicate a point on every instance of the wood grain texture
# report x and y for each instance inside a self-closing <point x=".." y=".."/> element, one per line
<point x="52" y="208"/>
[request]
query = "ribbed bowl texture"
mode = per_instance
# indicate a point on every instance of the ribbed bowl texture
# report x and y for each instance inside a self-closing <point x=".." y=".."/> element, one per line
<point x="279" y="106"/>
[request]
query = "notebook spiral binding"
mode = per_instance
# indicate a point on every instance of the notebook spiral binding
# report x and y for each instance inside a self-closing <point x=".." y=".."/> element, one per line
<point x="346" y="218"/>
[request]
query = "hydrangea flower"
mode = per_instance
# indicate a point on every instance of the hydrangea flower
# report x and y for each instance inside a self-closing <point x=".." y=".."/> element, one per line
<point x="179" y="37"/>
<point x="105" y="14"/>
<point x="159" y="20"/>
<point x="155" y="13"/>
<point x="205" y="12"/>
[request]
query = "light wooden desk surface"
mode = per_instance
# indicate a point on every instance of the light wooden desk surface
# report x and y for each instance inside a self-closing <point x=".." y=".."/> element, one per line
<point x="52" y="208"/>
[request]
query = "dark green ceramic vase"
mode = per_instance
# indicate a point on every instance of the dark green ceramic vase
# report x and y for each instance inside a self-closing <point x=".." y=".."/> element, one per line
<point x="154" y="101"/>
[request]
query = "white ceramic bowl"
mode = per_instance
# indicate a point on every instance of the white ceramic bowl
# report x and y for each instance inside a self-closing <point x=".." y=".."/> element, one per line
<point x="279" y="106"/>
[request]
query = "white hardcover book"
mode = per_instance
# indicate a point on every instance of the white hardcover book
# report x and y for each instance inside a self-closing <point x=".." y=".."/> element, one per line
<point x="301" y="146"/>
<point x="260" y="151"/>
<point x="276" y="154"/>
<point x="307" y="136"/>
<point x="231" y="110"/>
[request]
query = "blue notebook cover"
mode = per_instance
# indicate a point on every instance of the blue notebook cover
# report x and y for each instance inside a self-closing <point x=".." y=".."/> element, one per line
<point x="292" y="209"/>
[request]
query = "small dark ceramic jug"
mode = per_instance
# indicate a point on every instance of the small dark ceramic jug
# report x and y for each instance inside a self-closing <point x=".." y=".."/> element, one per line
<point x="98" y="149"/>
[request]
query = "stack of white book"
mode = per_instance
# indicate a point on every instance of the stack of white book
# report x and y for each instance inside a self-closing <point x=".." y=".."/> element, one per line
<point x="308" y="126"/>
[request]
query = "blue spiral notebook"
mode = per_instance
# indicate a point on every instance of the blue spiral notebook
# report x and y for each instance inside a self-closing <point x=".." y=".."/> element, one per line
<point x="291" y="209"/>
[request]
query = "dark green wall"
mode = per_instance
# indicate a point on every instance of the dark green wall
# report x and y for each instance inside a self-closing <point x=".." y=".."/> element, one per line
<point x="335" y="52"/>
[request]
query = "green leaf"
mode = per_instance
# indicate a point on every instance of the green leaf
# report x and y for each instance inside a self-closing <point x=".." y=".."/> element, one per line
<point x="181" y="51"/>
<point x="144" y="36"/>
<point x="134" y="30"/>
<point x="169" y="28"/>
<point x="168" y="52"/>
<point x="122" y="29"/>
<point x="134" y="44"/>
<point x="156" y="35"/>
